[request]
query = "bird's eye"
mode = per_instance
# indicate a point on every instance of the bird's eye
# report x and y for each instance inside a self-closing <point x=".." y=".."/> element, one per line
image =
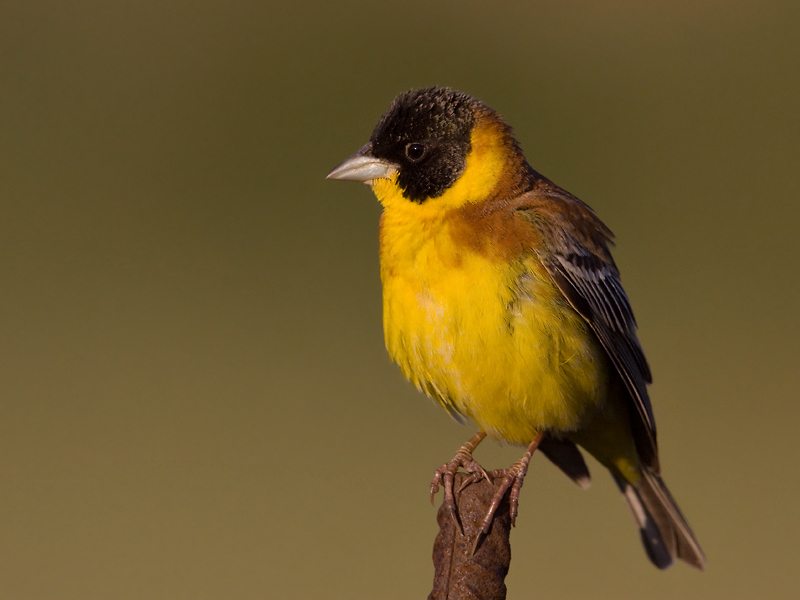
<point x="415" y="151"/>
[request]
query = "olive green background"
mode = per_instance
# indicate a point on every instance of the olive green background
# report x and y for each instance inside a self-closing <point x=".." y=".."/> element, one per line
<point x="195" y="401"/>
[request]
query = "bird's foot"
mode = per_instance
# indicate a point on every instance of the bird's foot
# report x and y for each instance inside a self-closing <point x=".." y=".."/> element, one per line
<point x="510" y="478"/>
<point x="445" y="475"/>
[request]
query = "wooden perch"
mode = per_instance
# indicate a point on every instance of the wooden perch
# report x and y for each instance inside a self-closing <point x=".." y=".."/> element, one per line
<point x="460" y="574"/>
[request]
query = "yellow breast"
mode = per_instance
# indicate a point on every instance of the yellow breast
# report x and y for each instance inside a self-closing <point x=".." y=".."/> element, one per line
<point x="470" y="314"/>
<point x="488" y="337"/>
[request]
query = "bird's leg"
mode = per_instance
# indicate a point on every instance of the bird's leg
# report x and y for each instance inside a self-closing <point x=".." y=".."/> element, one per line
<point x="445" y="474"/>
<point x="512" y="478"/>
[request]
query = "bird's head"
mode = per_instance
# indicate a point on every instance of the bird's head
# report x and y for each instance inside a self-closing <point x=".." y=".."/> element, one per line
<point x="435" y="145"/>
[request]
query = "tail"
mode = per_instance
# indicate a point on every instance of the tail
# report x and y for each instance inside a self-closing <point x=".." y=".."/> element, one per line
<point x="665" y="533"/>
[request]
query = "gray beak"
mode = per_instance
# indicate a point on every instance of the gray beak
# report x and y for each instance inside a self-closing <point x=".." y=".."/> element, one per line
<point x="363" y="166"/>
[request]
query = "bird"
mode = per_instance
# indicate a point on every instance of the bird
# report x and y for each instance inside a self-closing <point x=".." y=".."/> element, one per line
<point x="502" y="302"/>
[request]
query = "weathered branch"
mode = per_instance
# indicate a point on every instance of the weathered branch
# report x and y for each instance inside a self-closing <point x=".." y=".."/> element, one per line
<point x="460" y="574"/>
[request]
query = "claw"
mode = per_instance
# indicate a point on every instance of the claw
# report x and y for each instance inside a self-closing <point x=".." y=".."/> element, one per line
<point x="445" y="476"/>
<point x="511" y="478"/>
<point x="474" y="477"/>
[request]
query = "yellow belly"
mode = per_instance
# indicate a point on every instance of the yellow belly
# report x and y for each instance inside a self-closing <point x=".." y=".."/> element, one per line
<point x="492" y="340"/>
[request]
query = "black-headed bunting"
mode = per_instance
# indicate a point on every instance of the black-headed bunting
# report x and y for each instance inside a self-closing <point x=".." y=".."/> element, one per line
<point x="501" y="301"/>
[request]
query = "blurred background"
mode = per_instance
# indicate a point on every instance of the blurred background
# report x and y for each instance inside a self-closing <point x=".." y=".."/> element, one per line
<point x="195" y="400"/>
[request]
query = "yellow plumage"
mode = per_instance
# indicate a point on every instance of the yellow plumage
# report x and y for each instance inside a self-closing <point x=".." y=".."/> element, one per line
<point x="501" y="301"/>
<point x="489" y="339"/>
<point x="492" y="340"/>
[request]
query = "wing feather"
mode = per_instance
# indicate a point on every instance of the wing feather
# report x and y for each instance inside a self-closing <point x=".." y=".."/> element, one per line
<point x="577" y="256"/>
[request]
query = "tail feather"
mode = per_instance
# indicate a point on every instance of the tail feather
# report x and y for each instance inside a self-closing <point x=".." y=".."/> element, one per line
<point x="566" y="456"/>
<point x="665" y="533"/>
